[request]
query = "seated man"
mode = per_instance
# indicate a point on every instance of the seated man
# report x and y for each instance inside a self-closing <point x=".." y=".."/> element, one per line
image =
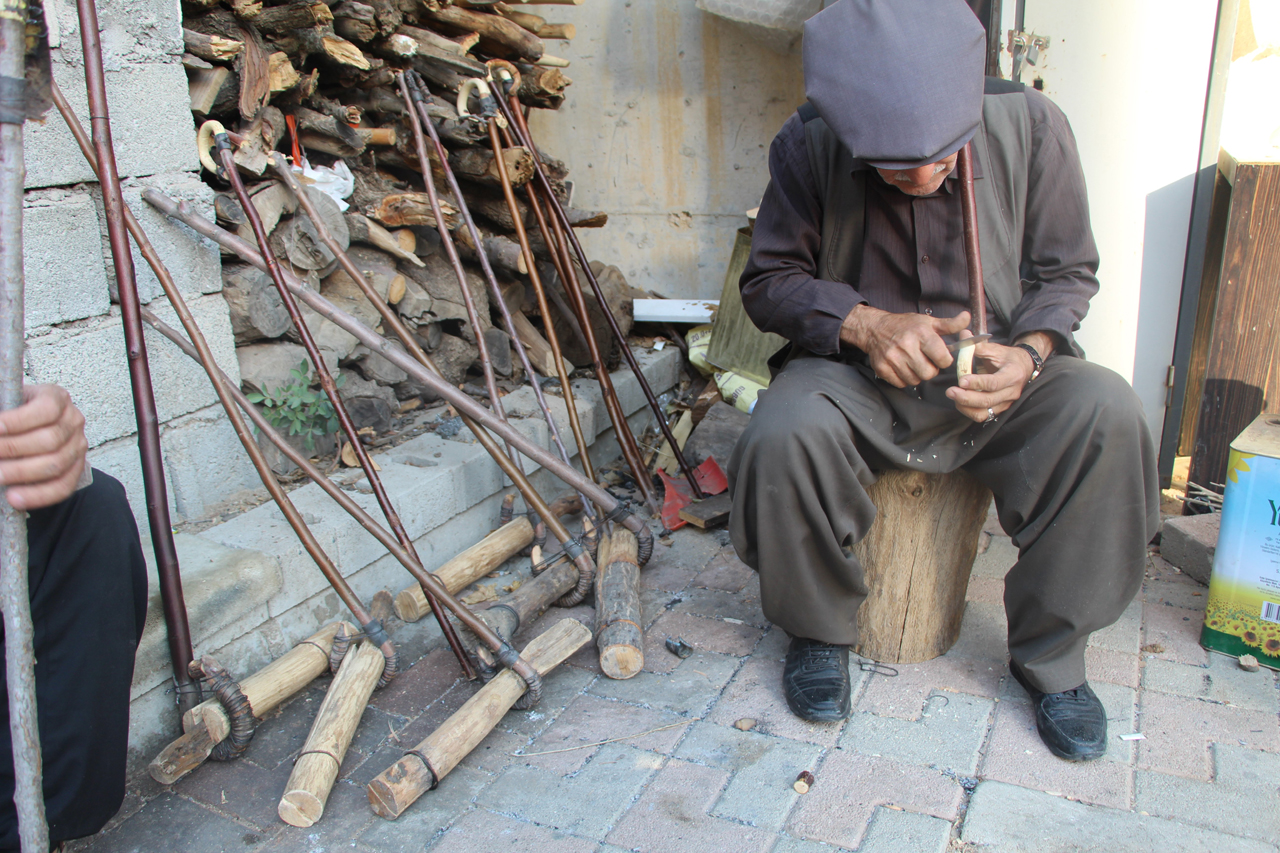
<point x="857" y="258"/>
<point x="88" y="586"/>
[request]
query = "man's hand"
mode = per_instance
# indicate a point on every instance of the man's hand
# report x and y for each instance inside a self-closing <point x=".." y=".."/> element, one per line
<point x="903" y="349"/>
<point x="42" y="448"/>
<point x="1001" y="373"/>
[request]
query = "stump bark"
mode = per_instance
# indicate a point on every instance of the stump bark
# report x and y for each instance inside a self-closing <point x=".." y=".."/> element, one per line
<point x="917" y="557"/>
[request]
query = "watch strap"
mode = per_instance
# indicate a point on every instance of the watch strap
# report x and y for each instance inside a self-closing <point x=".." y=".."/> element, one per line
<point x="1036" y="360"/>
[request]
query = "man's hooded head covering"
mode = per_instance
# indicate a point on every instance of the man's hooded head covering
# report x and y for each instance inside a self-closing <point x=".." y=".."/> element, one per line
<point x="899" y="82"/>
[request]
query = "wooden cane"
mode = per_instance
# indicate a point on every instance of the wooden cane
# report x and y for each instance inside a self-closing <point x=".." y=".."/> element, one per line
<point x="973" y="258"/>
<point x="422" y="768"/>
<point x="317" y="767"/>
<point x="508" y="614"/>
<point x="619" y="636"/>
<point x="15" y="601"/>
<point x="208" y="724"/>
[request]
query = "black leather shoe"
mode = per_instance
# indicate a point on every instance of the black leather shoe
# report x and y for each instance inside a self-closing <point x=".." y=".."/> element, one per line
<point x="1073" y="723"/>
<point x="815" y="680"/>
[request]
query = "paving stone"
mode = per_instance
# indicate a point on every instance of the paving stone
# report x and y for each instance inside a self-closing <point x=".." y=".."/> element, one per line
<point x="1165" y="583"/>
<point x="239" y="790"/>
<point x="1017" y="820"/>
<point x="1173" y="633"/>
<point x="689" y="689"/>
<point x="986" y="590"/>
<point x="756" y="693"/>
<point x="1189" y="542"/>
<point x="169" y="817"/>
<point x="1112" y="666"/>
<point x="420" y="685"/>
<point x="376" y="728"/>
<point x="673" y="566"/>
<point x="849" y="787"/>
<point x="559" y="687"/>
<point x="1222" y="680"/>
<point x="588" y="804"/>
<point x="1179" y="730"/>
<point x="428" y="817"/>
<point x="1240" y="800"/>
<point x="893" y="831"/>
<point x="1015" y="754"/>
<point x="590" y="719"/>
<point x="672" y="816"/>
<point x="281" y="735"/>
<point x="346" y="815"/>
<point x="1123" y="635"/>
<point x="726" y="572"/>
<point x="654" y="603"/>
<point x="984" y="632"/>
<point x="762" y="770"/>
<point x="904" y="695"/>
<point x="495" y="753"/>
<point x="799" y="845"/>
<point x="709" y="635"/>
<point x="484" y="830"/>
<point x="948" y="733"/>
<point x="997" y="560"/>
<point x="718" y="604"/>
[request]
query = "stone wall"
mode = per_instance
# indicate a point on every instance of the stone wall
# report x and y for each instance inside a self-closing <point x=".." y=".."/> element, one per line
<point x="74" y="332"/>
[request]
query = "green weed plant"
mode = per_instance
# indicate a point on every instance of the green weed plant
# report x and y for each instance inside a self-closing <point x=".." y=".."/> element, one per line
<point x="297" y="408"/>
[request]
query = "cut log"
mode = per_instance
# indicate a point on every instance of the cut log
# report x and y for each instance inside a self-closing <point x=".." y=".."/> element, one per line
<point x="619" y="637"/>
<point x="459" y="45"/>
<point x="211" y="47"/>
<point x="556" y="31"/>
<point x="255" y="75"/>
<point x="207" y="724"/>
<point x="477" y="164"/>
<point x="498" y="36"/>
<point x="540" y="354"/>
<point x="281" y="74"/>
<point x="260" y="139"/>
<point x="400" y="785"/>
<point x="400" y="209"/>
<point x="364" y="230"/>
<point x="328" y="133"/>
<point x="356" y="29"/>
<point x="508" y="614"/>
<point x="917" y="557"/>
<point x="214" y="91"/>
<point x="438" y="279"/>
<point x="543" y="87"/>
<point x="317" y="766"/>
<point x="256" y="310"/>
<point x="379" y="270"/>
<point x="549" y="61"/>
<point x="298" y="15"/>
<point x="469" y="566"/>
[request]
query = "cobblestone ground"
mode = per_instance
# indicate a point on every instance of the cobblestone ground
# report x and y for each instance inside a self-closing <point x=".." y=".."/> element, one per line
<point x="942" y="756"/>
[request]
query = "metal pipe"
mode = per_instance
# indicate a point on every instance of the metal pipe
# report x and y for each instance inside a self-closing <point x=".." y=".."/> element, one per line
<point x="516" y="117"/>
<point x="419" y="118"/>
<point x="322" y="230"/>
<point x="144" y="403"/>
<point x="397" y="325"/>
<point x="15" y="599"/>
<point x="614" y="509"/>
<point x="972" y="250"/>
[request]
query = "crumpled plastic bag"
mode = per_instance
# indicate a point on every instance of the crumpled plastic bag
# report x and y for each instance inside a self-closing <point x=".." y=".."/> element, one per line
<point x="336" y="182"/>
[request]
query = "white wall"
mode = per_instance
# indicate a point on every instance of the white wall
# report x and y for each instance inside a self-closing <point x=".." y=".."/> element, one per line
<point x="666" y="128"/>
<point x="1132" y="79"/>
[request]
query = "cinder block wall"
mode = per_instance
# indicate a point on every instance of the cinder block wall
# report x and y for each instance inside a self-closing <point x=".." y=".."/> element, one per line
<point x="74" y="332"/>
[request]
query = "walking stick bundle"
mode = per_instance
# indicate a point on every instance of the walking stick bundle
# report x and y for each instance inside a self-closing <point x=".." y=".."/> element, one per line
<point x="619" y="636"/>
<point x="15" y="600"/>
<point x="236" y="708"/>
<point x="422" y="768"/>
<point x="509" y="613"/>
<point x="317" y="766"/>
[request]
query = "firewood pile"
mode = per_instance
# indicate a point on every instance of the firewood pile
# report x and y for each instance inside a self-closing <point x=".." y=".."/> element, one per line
<point x="316" y="80"/>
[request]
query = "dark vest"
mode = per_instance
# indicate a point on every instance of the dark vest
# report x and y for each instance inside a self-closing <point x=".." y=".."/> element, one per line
<point x="1002" y="146"/>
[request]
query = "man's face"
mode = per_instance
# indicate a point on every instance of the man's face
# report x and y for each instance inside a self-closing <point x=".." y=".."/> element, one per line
<point x="922" y="180"/>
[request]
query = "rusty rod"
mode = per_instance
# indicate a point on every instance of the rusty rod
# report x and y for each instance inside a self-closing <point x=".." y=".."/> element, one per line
<point x="972" y="251"/>
<point x="144" y="402"/>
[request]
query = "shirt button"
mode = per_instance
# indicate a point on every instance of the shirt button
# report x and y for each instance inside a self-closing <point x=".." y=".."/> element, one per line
<point x="929" y="311"/>
<point x="924" y="259"/>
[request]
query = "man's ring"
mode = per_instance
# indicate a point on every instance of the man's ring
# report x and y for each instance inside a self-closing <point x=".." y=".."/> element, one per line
<point x="991" y="416"/>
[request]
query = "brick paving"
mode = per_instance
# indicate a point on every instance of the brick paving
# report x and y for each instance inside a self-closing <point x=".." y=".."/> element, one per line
<point x="941" y="757"/>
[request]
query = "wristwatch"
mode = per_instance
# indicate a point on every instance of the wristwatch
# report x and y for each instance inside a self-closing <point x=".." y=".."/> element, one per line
<point x="1036" y="360"/>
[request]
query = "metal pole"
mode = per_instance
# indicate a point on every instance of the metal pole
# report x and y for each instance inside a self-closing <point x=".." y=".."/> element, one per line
<point x="144" y="402"/>
<point x="15" y="600"/>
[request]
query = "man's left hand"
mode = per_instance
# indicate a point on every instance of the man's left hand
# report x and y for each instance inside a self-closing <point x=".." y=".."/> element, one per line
<point x="1001" y="373"/>
<point x="42" y="448"/>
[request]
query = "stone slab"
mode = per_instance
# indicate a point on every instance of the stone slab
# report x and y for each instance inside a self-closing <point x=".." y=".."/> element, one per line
<point x="1189" y="542"/>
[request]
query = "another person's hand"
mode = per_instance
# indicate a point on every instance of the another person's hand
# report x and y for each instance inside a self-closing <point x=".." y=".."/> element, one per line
<point x="1000" y="374"/>
<point x="42" y="448"/>
<point x="903" y="349"/>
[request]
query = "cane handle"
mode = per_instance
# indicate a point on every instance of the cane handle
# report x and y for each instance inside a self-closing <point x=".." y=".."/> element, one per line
<point x="204" y="143"/>
<point x="464" y="93"/>
<point x="501" y="70"/>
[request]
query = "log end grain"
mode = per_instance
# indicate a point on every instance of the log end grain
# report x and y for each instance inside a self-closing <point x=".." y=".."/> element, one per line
<point x="621" y="661"/>
<point x="300" y="808"/>
<point x="407" y="774"/>
<point x="411" y="604"/>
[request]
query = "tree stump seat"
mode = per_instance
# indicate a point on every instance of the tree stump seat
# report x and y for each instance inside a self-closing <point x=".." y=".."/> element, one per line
<point x="917" y="557"/>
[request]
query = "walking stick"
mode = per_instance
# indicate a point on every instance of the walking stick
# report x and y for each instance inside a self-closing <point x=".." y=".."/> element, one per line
<point x="614" y="509"/>
<point x="973" y="259"/>
<point x="515" y="118"/>
<point x="144" y="401"/>
<point x="417" y="117"/>
<point x="15" y="600"/>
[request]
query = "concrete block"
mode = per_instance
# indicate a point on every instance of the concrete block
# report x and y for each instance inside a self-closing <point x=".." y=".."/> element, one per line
<point x="131" y="31"/>
<point x="1017" y="820"/>
<point x="1189" y="541"/>
<point x="150" y="124"/>
<point x="221" y="585"/>
<point x="1221" y="681"/>
<point x="120" y="459"/>
<point x="62" y="258"/>
<point x="192" y="260"/>
<point x="949" y="733"/>
<point x="208" y="466"/>
<point x="893" y="831"/>
<point x="689" y="689"/>
<point x="1228" y="804"/>
<point x="89" y="361"/>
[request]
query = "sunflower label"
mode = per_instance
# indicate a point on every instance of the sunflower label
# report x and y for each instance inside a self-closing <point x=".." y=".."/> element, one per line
<point x="1242" y="615"/>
